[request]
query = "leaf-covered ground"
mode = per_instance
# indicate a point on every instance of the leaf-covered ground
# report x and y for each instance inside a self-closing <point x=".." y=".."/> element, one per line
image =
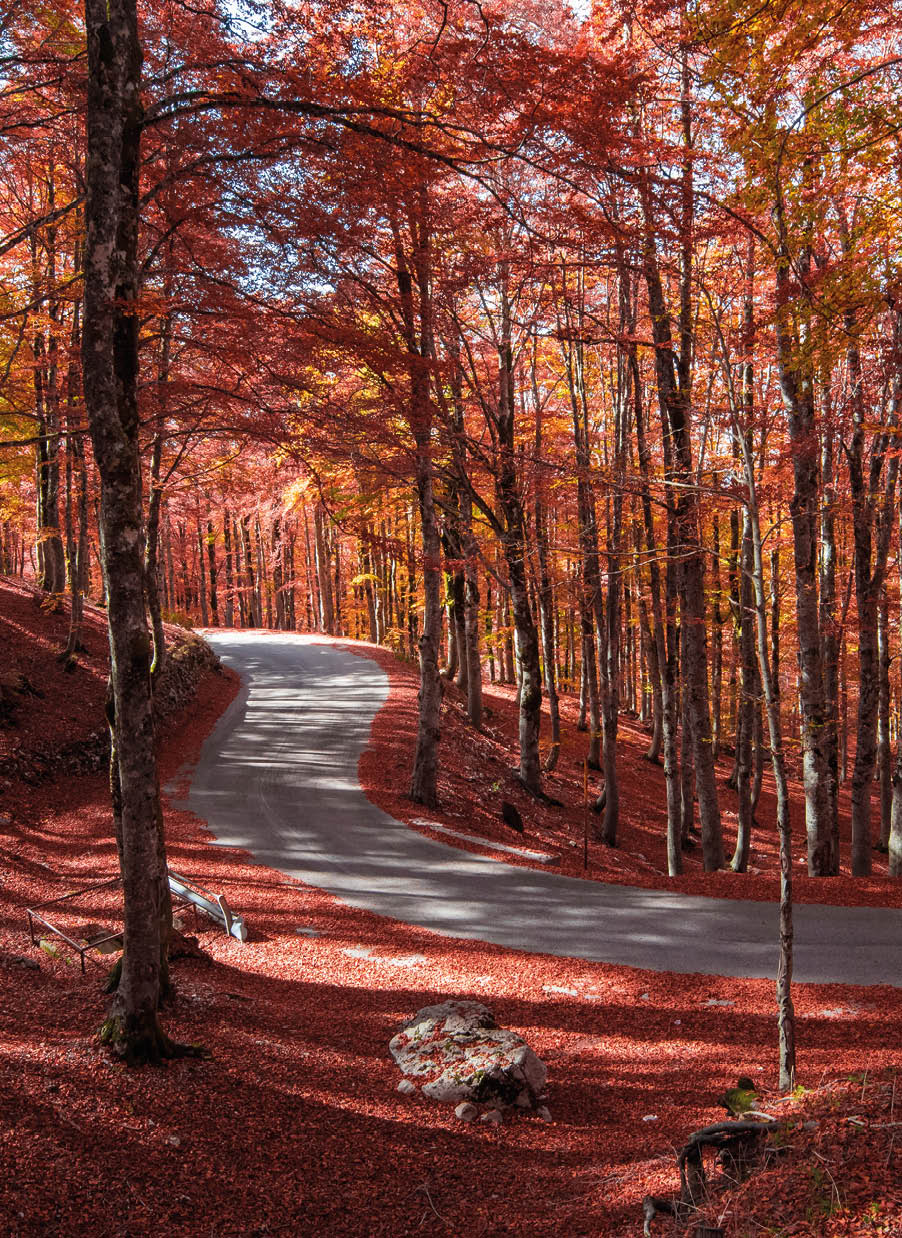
<point x="294" y="1125"/>
<point x="477" y="775"/>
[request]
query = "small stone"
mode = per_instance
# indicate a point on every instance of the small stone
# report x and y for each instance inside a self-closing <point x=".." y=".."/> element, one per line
<point x="19" y="960"/>
<point x="492" y="1117"/>
<point x="406" y="1087"/>
<point x="466" y="1112"/>
<point x="174" y="1141"/>
<point x="304" y="930"/>
<point x="524" y="1100"/>
<point x="649" y="1117"/>
<point x="543" y="1113"/>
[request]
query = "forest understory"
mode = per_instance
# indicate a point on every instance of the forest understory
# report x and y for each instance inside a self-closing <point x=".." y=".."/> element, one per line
<point x="478" y="774"/>
<point x="293" y="1126"/>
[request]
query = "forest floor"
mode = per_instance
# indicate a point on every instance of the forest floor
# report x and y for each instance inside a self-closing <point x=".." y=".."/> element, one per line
<point x="476" y="775"/>
<point x="294" y="1126"/>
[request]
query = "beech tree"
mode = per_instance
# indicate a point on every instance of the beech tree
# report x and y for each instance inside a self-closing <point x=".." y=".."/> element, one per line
<point x="110" y="371"/>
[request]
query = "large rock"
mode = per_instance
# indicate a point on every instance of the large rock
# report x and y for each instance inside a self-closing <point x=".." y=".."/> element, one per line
<point x="459" y="1053"/>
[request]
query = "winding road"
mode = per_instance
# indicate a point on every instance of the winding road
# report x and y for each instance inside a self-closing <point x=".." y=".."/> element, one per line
<point x="278" y="777"/>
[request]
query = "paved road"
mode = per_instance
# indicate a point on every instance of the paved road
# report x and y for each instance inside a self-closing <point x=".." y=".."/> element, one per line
<point x="278" y="776"/>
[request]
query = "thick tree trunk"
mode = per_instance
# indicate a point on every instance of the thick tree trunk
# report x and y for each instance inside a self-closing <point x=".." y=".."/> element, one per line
<point x="870" y="574"/>
<point x="110" y="371"/>
<point x="513" y="544"/>
<point x="797" y="387"/>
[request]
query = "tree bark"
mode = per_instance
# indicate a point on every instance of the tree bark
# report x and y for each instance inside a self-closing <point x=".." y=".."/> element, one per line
<point x="870" y="574"/>
<point x="797" y="388"/>
<point x="110" y="371"/>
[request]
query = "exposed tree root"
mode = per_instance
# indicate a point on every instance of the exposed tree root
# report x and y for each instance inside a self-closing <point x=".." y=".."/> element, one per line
<point x="541" y="796"/>
<point x="735" y="1144"/>
<point x="144" y="1046"/>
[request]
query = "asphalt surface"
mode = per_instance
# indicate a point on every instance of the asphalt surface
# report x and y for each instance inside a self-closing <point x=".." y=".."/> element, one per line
<point x="278" y="777"/>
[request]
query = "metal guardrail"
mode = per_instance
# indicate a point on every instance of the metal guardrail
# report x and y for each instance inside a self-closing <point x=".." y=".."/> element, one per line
<point x="82" y="947"/>
<point x="185" y="894"/>
<point x="213" y="905"/>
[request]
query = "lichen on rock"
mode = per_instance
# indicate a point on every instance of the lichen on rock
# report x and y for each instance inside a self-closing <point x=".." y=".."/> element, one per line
<point x="465" y="1056"/>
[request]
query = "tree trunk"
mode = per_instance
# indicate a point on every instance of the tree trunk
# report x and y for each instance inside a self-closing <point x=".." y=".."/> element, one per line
<point x="230" y="583"/>
<point x="748" y="705"/>
<point x="211" y="564"/>
<point x="75" y="467"/>
<point x="151" y="566"/>
<point x="796" y="385"/>
<point x="716" y="646"/>
<point x="884" y="756"/>
<point x="323" y="575"/>
<point x="870" y="574"/>
<point x="110" y="371"/>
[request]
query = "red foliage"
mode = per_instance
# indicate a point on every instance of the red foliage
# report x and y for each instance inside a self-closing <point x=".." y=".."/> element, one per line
<point x="476" y="774"/>
<point x="294" y="1126"/>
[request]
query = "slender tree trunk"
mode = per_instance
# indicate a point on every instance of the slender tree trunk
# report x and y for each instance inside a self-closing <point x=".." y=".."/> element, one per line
<point x="716" y="645"/>
<point x="748" y="705"/>
<point x="546" y="617"/>
<point x="830" y="629"/>
<point x="76" y="477"/>
<point x="424" y="782"/>
<point x="230" y="580"/>
<point x="211" y="565"/>
<point x="202" y="572"/>
<point x="278" y="575"/>
<point x="323" y="575"/>
<point x="884" y="755"/>
<point x="151" y="565"/>
<point x="785" y="1009"/>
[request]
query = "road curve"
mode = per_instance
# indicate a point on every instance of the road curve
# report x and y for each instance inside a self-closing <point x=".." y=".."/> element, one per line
<point x="278" y="777"/>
